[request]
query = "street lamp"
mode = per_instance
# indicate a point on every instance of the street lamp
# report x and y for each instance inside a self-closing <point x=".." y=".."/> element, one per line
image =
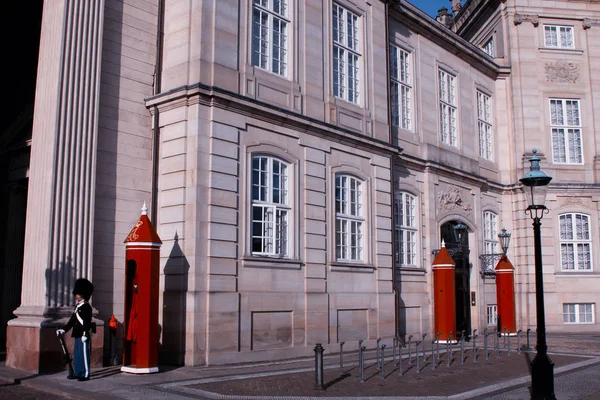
<point x="490" y="258"/>
<point x="542" y="369"/>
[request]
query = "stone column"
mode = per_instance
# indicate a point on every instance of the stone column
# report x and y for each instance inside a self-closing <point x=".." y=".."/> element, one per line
<point x="60" y="205"/>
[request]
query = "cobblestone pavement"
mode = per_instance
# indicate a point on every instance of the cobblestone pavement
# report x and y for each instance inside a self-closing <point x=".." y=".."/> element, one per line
<point x="15" y="391"/>
<point x="443" y="381"/>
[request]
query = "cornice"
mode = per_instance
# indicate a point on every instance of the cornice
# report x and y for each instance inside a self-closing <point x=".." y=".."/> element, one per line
<point x="213" y="96"/>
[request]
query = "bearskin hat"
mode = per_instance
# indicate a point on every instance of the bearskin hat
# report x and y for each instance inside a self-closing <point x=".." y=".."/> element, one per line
<point x="84" y="288"/>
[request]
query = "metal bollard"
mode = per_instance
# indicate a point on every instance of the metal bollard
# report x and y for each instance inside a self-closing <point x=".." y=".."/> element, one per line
<point x="497" y="346"/>
<point x="342" y="358"/>
<point x="394" y="345"/>
<point x="432" y="356"/>
<point x="409" y="350"/>
<point x="519" y="341"/>
<point x="475" y="345"/>
<point x="528" y="348"/>
<point x="485" y="344"/>
<point x="462" y="350"/>
<point x="437" y="347"/>
<point x="448" y="350"/>
<point x="319" y="367"/>
<point x="504" y="339"/>
<point x="378" y="361"/>
<point x="361" y="362"/>
<point x="400" y="367"/>
<point x="382" y="361"/>
<point x="424" y="356"/>
<point x="418" y="358"/>
<point x="508" y="342"/>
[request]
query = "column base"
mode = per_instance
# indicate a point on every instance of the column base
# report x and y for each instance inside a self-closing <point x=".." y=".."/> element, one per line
<point x="133" y="370"/>
<point x="34" y="347"/>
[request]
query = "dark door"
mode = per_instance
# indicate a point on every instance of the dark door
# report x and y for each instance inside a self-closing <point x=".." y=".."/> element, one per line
<point x="460" y="254"/>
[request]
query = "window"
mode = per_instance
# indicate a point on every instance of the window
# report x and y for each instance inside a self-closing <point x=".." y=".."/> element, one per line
<point x="448" y="109"/>
<point x="348" y="219"/>
<point x="582" y="313"/>
<point x="270" y="35"/>
<point x="566" y="131"/>
<point x="484" y="125"/>
<point x="406" y="229"/>
<point x="559" y="36"/>
<point x="270" y="207"/>
<point x="575" y="242"/>
<point x="492" y="314"/>
<point x="401" y="88"/>
<point x="346" y="55"/>
<point x="490" y="232"/>
<point x="490" y="47"/>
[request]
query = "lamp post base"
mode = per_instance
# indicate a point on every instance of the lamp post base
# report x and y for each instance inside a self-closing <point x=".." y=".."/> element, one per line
<point x="542" y="378"/>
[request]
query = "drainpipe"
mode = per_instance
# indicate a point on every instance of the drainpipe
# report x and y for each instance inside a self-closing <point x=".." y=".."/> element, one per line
<point x="392" y="175"/>
<point x="155" y="122"/>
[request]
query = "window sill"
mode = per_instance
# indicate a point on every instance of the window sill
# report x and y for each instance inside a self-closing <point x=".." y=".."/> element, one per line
<point x="576" y="274"/>
<point x="271" y="262"/>
<point x="410" y="270"/>
<point x="559" y="50"/>
<point x="351" y="267"/>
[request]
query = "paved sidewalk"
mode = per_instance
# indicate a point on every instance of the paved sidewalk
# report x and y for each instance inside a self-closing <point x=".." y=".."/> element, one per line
<point x="577" y="370"/>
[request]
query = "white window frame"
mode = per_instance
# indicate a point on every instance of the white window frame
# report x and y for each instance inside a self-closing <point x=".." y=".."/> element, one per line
<point x="401" y="87"/>
<point x="492" y="314"/>
<point x="406" y="222"/>
<point x="270" y="228"/>
<point x="566" y="131"/>
<point x="448" y="107"/>
<point x="346" y="50"/>
<point x="572" y="313"/>
<point x="489" y="47"/>
<point x="553" y="37"/>
<point x="270" y="36"/>
<point x="484" y="126"/>
<point x="349" y="219"/>
<point x="490" y="232"/>
<point x="574" y="244"/>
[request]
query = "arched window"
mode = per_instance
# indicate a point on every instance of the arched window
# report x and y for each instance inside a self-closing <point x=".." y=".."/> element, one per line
<point x="349" y="220"/>
<point x="575" y="242"/>
<point x="405" y="221"/>
<point x="271" y="209"/>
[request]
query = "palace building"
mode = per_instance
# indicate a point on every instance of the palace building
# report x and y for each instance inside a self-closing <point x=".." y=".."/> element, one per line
<point x="302" y="163"/>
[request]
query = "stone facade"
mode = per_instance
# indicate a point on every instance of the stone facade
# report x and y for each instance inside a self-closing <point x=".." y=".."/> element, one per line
<point x="300" y="202"/>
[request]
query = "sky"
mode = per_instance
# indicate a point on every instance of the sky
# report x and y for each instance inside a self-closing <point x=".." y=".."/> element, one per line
<point x="431" y="7"/>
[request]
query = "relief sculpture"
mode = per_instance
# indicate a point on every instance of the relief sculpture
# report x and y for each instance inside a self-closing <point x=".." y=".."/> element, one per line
<point x="452" y="200"/>
<point x="562" y="71"/>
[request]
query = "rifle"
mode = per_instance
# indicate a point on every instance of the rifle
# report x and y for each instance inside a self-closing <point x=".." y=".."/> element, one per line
<point x="66" y="355"/>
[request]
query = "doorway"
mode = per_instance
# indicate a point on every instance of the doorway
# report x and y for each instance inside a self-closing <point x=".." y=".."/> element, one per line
<point x="460" y="255"/>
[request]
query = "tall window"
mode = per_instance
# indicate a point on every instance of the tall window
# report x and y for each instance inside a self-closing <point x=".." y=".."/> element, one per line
<point x="582" y="313"/>
<point x="575" y="242"/>
<point x="401" y="87"/>
<point x="492" y="314"/>
<point x="270" y="35"/>
<point x="349" y="219"/>
<point x="490" y="47"/>
<point x="346" y="55"/>
<point x="566" y="131"/>
<point x="484" y="125"/>
<point x="490" y="232"/>
<point x="406" y="229"/>
<point x="448" y="108"/>
<point x="559" y="36"/>
<point x="270" y="207"/>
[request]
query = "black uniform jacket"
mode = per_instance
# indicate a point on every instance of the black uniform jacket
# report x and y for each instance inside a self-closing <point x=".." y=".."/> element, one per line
<point x="81" y="320"/>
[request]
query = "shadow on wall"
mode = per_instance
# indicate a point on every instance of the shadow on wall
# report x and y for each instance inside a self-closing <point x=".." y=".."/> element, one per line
<point x="172" y="350"/>
<point x="59" y="284"/>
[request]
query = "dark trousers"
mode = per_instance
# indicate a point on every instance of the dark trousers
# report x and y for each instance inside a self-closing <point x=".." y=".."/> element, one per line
<point x="81" y="354"/>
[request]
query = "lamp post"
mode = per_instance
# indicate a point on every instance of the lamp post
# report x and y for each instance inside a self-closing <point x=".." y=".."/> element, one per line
<point x="542" y="369"/>
<point x="489" y="258"/>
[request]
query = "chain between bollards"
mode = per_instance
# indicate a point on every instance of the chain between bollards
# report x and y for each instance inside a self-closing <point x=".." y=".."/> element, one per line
<point x="319" y="367"/>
